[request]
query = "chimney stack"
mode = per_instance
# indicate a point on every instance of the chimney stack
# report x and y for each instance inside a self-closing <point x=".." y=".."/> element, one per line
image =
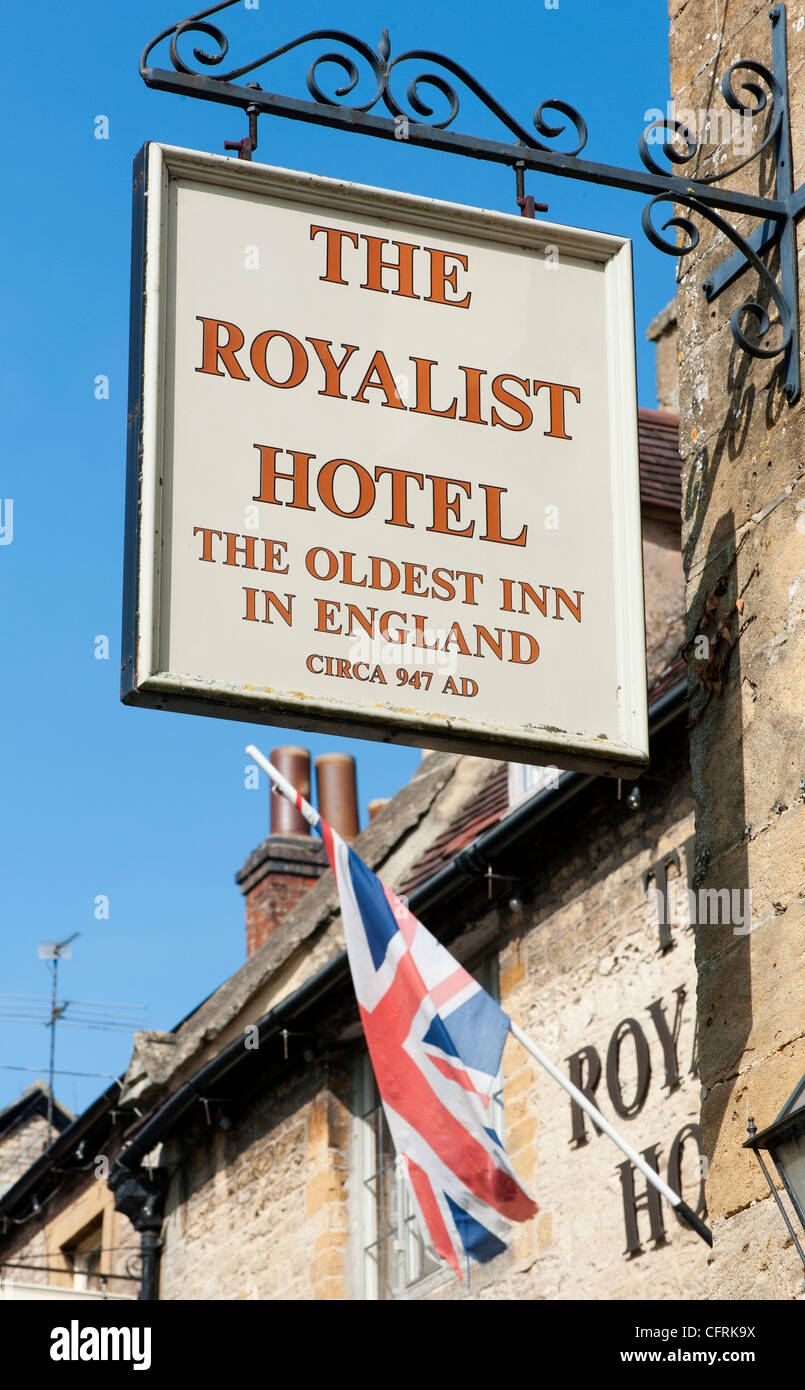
<point x="294" y="764"/>
<point x="282" y="869"/>
<point x="337" y="791"/>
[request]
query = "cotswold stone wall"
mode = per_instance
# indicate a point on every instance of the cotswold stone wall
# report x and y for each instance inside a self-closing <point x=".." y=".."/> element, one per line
<point x="20" y="1148"/>
<point x="257" y="1210"/>
<point x="581" y="960"/>
<point x="744" y="554"/>
<point x="42" y="1242"/>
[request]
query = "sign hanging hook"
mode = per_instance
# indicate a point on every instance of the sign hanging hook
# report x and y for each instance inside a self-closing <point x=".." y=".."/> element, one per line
<point x="248" y="144"/>
<point x="527" y="206"/>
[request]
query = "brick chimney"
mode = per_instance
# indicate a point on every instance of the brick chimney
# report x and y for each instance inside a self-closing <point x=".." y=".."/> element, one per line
<point x="281" y="870"/>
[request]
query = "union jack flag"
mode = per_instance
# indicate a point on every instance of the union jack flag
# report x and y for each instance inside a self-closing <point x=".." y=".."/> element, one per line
<point x="436" y="1040"/>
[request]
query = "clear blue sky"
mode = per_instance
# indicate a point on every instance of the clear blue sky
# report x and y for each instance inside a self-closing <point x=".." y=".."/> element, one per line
<point x="150" y="808"/>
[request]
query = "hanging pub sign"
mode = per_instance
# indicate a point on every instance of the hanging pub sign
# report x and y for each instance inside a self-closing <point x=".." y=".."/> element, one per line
<point x="383" y="474"/>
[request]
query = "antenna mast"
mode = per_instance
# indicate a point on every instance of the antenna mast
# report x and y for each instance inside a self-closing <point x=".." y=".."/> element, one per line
<point x="53" y="951"/>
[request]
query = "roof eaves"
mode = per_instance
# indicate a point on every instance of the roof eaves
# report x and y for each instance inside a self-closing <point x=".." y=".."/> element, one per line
<point x="63" y="1143"/>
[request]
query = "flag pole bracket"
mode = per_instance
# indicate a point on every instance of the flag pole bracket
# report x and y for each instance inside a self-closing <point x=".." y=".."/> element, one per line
<point x="489" y="876"/>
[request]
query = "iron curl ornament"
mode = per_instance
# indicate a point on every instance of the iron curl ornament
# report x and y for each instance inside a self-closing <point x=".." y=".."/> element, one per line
<point x="378" y="62"/>
<point x="356" y="87"/>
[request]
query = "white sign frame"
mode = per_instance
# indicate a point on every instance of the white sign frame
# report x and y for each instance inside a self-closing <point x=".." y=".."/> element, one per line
<point x="144" y="683"/>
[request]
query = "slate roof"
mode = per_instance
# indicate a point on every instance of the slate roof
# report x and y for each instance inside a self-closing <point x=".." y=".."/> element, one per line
<point x="34" y="1101"/>
<point x="488" y="807"/>
<point x="492" y="803"/>
<point x="660" y="461"/>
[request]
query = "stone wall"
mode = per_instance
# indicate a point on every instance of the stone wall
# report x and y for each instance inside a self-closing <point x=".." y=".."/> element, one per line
<point x="584" y="957"/>
<point x="81" y="1205"/>
<point x="662" y="331"/>
<point x="21" y="1147"/>
<point x="744" y="554"/>
<point x="257" y="1210"/>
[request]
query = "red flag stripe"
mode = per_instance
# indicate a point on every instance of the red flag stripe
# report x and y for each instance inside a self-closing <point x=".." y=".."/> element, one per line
<point x="454" y="1074"/>
<point x="439" y="1234"/>
<point x="327" y="836"/>
<point x="448" y="988"/>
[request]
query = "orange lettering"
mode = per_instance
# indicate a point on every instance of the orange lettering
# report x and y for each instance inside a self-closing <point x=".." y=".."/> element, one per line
<point x="384" y="383"/>
<point x="437" y="582"/>
<point x="269" y="476"/>
<point x="397" y="638"/>
<point x="325" y="482"/>
<point x="575" y="608"/>
<point x="211" y="349"/>
<point x="423" y="391"/>
<point x="403" y="266"/>
<point x="557" y="406"/>
<point x="533" y="645"/>
<point x="399" y="493"/>
<point x="348" y="556"/>
<point x="473" y="395"/>
<point x="442" y="505"/>
<point x="506" y="398"/>
<point x="335" y="237"/>
<point x="327" y="610"/>
<point x="245" y="548"/>
<point x="493" y="520"/>
<point x="298" y="358"/>
<point x="310" y="562"/>
<point x="332" y="369"/>
<point x="441" y="276"/>
<point x="206" y="545"/>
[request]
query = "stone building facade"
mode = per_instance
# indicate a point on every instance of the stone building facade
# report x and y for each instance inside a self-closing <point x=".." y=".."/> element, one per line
<point x="744" y="556"/>
<point x="24" y="1131"/>
<point x="60" y="1234"/>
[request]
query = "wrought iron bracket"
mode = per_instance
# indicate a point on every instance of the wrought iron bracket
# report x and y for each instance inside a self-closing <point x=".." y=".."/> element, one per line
<point x="415" y="122"/>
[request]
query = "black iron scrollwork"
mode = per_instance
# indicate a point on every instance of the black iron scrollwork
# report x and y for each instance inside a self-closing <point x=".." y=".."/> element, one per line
<point x="750" y="308"/>
<point x="382" y="68"/>
<point x="679" y="130"/>
<point x="679" y="134"/>
<point x="428" y="110"/>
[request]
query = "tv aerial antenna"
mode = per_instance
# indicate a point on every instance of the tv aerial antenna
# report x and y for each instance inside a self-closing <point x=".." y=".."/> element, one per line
<point x="70" y="1013"/>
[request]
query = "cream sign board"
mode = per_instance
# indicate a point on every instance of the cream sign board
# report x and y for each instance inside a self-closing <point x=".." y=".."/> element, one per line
<point x="383" y="473"/>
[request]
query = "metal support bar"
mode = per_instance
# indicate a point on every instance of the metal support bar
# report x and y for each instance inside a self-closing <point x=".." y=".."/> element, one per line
<point x="785" y="188"/>
<point x="761" y="88"/>
<point x="450" y="142"/>
<point x="734" y="266"/>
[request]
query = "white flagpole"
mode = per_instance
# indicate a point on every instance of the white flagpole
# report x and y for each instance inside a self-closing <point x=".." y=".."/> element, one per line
<point x="286" y="788"/>
<point x="603" y="1124"/>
